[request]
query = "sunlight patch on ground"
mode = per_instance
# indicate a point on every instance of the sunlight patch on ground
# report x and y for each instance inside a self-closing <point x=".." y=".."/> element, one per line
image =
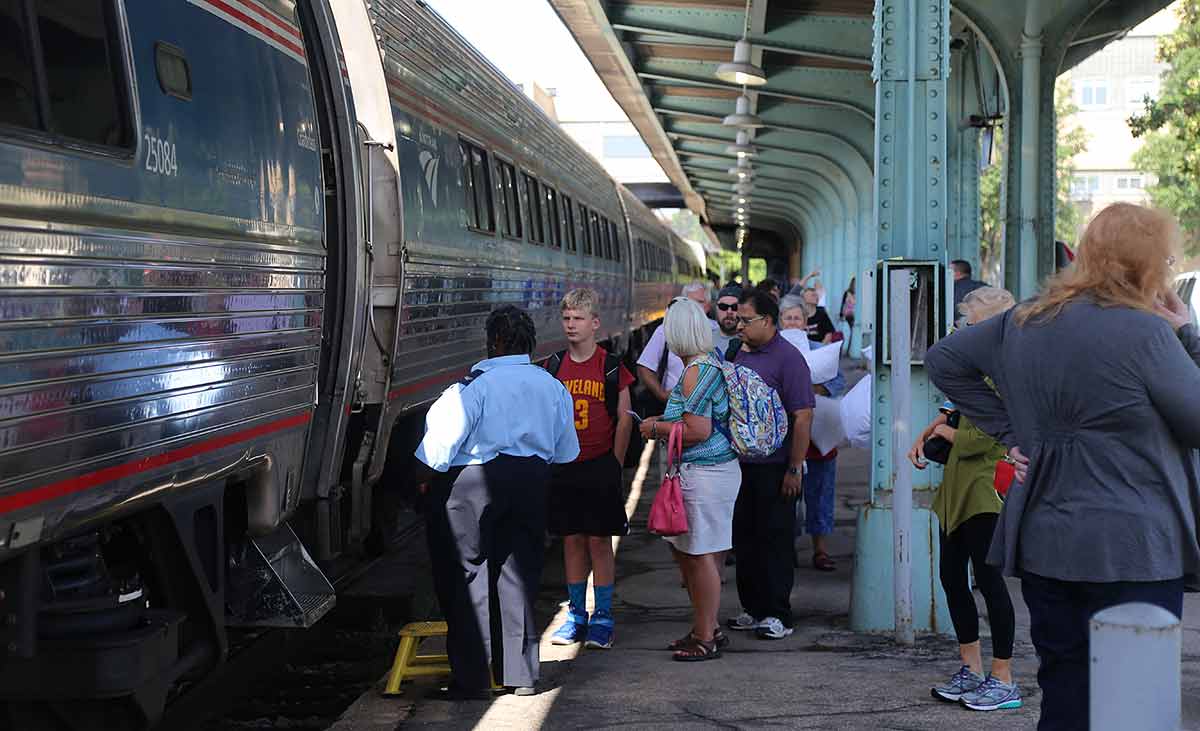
<point x="505" y="709"/>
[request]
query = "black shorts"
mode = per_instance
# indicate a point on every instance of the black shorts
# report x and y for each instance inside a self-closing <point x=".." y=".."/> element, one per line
<point x="586" y="498"/>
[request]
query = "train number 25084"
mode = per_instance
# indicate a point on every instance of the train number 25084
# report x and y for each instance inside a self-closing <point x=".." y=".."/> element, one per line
<point x="160" y="155"/>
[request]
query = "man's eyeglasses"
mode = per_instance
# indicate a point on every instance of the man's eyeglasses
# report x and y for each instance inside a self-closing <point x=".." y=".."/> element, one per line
<point x="743" y="321"/>
<point x="726" y="306"/>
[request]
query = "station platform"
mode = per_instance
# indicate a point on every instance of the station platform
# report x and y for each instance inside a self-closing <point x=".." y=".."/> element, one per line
<point x="822" y="677"/>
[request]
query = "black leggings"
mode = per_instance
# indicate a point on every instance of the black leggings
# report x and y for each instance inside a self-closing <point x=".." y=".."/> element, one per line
<point x="970" y="541"/>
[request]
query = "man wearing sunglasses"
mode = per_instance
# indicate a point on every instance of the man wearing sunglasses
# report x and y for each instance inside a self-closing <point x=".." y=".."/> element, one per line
<point x="727" y="322"/>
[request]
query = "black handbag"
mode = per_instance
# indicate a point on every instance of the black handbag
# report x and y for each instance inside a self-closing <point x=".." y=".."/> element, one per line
<point x="937" y="449"/>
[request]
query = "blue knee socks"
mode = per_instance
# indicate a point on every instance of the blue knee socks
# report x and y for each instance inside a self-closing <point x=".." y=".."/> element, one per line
<point x="603" y="596"/>
<point x="578" y="596"/>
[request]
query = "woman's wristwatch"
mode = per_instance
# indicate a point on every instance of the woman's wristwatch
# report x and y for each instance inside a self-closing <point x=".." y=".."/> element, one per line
<point x="654" y="430"/>
<point x="799" y="470"/>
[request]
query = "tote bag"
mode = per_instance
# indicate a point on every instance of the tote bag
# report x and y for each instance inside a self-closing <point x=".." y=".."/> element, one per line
<point x="667" y="516"/>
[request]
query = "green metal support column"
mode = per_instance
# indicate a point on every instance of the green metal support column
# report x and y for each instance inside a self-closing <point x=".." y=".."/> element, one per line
<point x="962" y="233"/>
<point x="911" y="66"/>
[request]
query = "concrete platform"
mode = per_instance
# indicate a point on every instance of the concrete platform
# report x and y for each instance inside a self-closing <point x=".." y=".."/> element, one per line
<point x="822" y="677"/>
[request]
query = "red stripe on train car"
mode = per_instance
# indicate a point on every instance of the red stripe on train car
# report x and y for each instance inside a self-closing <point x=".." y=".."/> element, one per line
<point x="269" y="15"/>
<point x="26" y="498"/>
<point x="286" y="42"/>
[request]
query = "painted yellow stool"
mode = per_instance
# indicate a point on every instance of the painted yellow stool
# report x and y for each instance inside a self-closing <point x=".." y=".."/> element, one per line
<point x="408" y="664"/>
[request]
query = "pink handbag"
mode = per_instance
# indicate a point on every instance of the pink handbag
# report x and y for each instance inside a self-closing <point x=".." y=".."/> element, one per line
<point x="667" y="516"/>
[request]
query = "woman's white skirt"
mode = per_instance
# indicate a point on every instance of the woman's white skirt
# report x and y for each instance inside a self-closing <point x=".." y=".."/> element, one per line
<point x="709" y="493"/>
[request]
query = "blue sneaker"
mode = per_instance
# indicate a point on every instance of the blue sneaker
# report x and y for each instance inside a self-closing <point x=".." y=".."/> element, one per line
<point x="992" y="695"/>
<point x="959" y="685"/>
<point x="571" y="632"/>
<point x="599" y="636"/>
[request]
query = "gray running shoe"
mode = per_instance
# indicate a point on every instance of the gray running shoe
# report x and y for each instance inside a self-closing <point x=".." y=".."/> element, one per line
<point x="743" y="622"/>
<point x="772" y="629"/>
<point x="992" y="695"/>
<point x="960" y="683"/>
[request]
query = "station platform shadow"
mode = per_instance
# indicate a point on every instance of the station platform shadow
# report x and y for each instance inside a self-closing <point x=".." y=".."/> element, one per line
<point x="822" y="677"/>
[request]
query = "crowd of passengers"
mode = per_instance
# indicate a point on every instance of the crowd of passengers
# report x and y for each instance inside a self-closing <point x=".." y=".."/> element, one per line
<point x="1098" y="506"/>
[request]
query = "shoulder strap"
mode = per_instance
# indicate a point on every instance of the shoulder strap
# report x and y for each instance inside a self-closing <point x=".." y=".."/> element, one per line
<point x="662" y="361"/>
<point x="612" y="385"/>
<point x="468" y="379"/>
<point x="731" y="350"/>
<point x="554" y="362"/>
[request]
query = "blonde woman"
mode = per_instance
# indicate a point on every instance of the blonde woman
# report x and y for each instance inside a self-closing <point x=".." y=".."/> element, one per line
<point x="967" y="507"/>
<point x="1101" y="374"/>
<point x="709" y="472"/>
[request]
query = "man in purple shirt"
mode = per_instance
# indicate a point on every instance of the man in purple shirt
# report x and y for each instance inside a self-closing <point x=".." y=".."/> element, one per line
<point x="764" y="516"/>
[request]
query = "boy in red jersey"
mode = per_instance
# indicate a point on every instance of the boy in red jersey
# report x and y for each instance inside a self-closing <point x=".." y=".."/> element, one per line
<point x="585" y="504"/>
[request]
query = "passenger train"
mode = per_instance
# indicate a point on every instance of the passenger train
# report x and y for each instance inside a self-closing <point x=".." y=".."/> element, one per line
<point x="243" y="244"/>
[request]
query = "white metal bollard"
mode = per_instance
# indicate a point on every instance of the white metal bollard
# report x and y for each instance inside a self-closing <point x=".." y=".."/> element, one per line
<point x="1135" y="668"/>
<point x="900" y="332"/>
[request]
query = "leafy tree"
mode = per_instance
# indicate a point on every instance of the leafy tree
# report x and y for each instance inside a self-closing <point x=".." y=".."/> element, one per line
<point x="1071" y="140"/>
<point x="1170" y="126"/>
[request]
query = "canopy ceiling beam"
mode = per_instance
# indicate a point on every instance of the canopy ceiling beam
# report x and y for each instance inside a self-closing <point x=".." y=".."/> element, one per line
<point x="728" y="39"/>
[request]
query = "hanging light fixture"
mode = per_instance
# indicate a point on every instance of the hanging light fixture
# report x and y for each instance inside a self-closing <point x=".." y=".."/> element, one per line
<point x="742" y="170"/>
<point x="742" y="117"/>
<point x="740" y="70"/>
<point x="742" y="148"/>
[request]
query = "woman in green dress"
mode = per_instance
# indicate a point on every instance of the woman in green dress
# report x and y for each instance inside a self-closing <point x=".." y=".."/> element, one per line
<point x="967" y="507"/>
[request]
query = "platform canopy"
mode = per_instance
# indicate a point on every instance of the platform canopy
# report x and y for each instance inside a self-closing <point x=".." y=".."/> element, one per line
<point x="813" y="157"/>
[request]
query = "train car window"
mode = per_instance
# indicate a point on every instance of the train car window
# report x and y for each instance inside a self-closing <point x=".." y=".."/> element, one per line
<point x="553" y="225"/>
<point x="533" y="210"/>
<point x="464" y="149"/>
<point x="616" y="238"/>
<point x="597" y="240"/>
<point x="18" y="92"/>
<point x="584" y="218"/>
<point x="568" y="207"/>
<point x="75" y="87"/>
<point x="606" y="236"/>
<point x="512" y="200"/>
<point x="481" y="174"/>
<point x="477" y="187"/>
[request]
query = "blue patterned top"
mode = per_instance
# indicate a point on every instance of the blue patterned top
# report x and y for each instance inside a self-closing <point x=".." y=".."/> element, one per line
<point x="709" y="399"/>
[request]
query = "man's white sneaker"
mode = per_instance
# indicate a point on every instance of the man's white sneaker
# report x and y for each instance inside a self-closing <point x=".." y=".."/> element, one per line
<point x="773" y="629"/>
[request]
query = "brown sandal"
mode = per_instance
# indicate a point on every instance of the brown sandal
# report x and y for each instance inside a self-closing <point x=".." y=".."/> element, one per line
<point x="822" y="562"/>
<point x="719" y="638"/>
<point x="697" y="650"/>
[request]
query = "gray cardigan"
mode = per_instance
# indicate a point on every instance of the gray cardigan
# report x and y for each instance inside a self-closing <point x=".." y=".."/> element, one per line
<point x="1105" y="402"/>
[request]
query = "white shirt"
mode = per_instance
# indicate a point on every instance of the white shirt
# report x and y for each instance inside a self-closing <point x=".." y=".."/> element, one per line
<point x="512" y="407"/>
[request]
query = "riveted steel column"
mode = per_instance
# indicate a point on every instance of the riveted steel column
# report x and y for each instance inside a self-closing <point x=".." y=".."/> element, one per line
<point x="962" y="233"/>
<point x="911" y="66"/>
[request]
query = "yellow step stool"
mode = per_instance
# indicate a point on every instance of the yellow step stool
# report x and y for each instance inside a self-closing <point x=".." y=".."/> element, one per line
<point x="408" y="664"/>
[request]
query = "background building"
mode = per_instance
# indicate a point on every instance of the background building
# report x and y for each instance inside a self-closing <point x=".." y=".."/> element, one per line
<point x="1108" y="89"/>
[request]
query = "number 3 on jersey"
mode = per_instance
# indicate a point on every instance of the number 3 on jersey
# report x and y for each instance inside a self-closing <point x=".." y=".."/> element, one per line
<point x="581" y="414"/>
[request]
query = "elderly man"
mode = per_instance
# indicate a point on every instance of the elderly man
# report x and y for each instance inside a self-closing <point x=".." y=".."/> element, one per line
<point x="659" y="369"/>
<point x="490" y="440"/>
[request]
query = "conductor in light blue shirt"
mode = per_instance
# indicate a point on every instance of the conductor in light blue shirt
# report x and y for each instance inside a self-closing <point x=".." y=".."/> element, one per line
<point x="490" y="440"/>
